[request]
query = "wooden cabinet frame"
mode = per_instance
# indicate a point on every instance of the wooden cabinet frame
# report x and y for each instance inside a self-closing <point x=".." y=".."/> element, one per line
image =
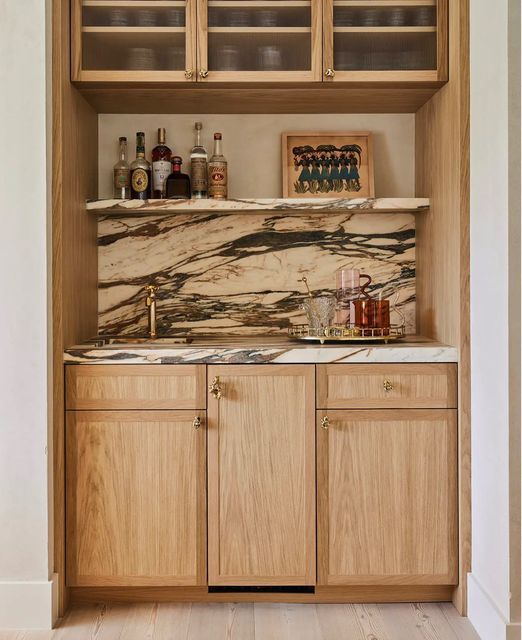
<point x="85" y="75"/>
<point x="436" y="75"/>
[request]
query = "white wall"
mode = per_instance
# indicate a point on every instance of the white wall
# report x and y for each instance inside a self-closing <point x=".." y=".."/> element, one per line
<point x="25" y="589"/>
<point x="494" y="584"/>
<point x="252" y="145"/>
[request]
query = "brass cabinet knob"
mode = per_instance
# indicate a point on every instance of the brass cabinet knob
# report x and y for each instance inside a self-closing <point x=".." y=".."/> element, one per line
<point x="203" y="73"/>
<point x="329" y="73"/>
<point x="189" y="73"/>
<point x="325" y="423"/>
<point x="196" y="423"/>
<point x="215" y="389"/>
<point x="387" y="386"/>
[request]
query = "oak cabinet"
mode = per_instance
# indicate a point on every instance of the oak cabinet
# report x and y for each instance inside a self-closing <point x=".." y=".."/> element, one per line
<point x="210" y="41"/>
<point x="136" y="498"/>
<point x="387" y="497"/>
<point x="261" y="475"/>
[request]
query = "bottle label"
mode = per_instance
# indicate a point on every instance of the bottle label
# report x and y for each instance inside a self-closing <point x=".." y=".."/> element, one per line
<point x="217" y="180"/>
<point x="160" y="172"/>
<point x="121" y="178"/>
<point x="198" y="174"/>
<point x="140" y="180"/>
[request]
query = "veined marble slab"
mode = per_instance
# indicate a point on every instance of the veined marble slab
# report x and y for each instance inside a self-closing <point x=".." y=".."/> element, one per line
<point x="284" y="353"/>
<point x="286" y="205"/>
<point x="238" y="274"/>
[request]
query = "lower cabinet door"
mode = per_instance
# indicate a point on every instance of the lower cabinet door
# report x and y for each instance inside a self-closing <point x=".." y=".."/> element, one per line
<point x="261" y="468"/>
<point x="136" y="498"/>
<point x="387" y="497"/>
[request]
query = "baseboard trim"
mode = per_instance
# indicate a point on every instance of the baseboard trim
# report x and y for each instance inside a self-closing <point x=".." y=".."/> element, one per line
<point x="352" y="594"/>
<point x="29" y="605"/>
<point x="486" y="617"/>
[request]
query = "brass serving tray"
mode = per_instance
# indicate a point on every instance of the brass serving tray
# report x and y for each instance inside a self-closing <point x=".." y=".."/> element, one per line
<point x="342" y="333"/>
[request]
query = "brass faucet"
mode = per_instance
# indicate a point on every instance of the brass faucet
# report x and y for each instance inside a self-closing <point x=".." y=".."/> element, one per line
<point x="151" y="306"/>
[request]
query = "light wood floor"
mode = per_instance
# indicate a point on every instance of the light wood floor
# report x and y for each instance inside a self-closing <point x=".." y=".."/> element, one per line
<point x="260" y="622"/>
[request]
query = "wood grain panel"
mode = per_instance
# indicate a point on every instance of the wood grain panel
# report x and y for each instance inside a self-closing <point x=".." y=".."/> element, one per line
<point x="135" y="387"/>
<point x="74" y="248"/>
<point x="135" y="498"/>
<point x="360" y="386"/>
<point x="261" y="468"/>
<point x="387" y="497"/>
<point x="364" y="594"/>
<point x="443" y="247"/>
<point x="359" y="96"/>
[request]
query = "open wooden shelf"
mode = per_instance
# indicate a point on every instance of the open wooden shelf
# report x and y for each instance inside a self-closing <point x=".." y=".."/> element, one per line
<point x="385" y="29"/>
<point x="252" y="31"/>
<point x="259" y="205"/>
<point x="133" y="30"/>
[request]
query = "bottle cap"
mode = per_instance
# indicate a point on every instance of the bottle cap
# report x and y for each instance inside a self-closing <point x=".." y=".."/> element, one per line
<point x="217" y="136"/>
<point x="198" y="126"/>
<point x="123" y="139"/>
<point x="140" y="133"/>
<point x="176" y="160"/>
<point x="161" y="135"/>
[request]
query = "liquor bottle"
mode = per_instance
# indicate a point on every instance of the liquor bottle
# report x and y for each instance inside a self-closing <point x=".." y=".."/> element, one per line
<point x="161" y="155"/>
<point x="177" y="184"/>
<point x="121" y="173"/>
<point x="140" y="171"/>
<point x="198" y="166"/>
<point x="217" y="171"/>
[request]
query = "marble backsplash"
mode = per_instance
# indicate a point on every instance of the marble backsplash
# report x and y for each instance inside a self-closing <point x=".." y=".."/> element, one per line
<point x="237" y="273"/>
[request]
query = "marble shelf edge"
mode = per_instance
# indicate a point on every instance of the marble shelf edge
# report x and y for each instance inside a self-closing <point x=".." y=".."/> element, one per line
<point x="258" y="205"/>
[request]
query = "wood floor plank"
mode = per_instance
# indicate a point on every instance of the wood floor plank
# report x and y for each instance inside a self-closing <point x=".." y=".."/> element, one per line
<point x="370" y="621"/>
<point x="172" y="622"/>
<point x="462" y="627"/>
<point x="338" y="622"/>
<point x="302" y="622"/>
<point x="260" y="621"/>
<point x="270" y="622"/>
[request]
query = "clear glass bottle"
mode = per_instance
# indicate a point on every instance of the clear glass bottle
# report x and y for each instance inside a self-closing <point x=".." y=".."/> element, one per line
<point x="121" y="173"/>
<point x="140" y="171"/>
<point x="198" y="166"/>
<point x="178" y="184"/>
<point x="217" y="172"/>
<point x="161" y="164"/>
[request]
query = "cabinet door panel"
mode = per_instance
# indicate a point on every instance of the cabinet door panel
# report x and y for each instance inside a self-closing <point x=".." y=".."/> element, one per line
<point x="262" y="476"/>
<point x="135" y="498"/>
<point x="387" y="491"/>
<point x="245" y="41"/>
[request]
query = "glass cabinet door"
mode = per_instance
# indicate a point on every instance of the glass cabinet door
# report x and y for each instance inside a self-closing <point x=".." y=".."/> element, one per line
<point x="138" y="40"/>
<point x="259" y="40"/>
<point x="385" y="40"/>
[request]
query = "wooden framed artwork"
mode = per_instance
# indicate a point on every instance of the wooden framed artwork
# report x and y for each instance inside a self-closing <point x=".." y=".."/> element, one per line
<point x="326" y="164"/>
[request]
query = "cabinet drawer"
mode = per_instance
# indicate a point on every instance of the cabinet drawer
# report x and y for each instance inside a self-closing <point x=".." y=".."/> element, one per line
<point x="135" y="387"/>
<point x="397" y="386"/>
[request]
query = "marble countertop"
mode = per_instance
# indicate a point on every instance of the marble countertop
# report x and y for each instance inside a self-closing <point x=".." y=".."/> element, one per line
<point x="259" y="350"/>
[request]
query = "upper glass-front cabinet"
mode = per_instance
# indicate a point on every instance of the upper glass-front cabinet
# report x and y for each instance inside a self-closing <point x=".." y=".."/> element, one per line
<point x="249" y="40"/>
<point x="259" y="40"/>
<point x="140" y="40"/>
<point x="385" y="40"/>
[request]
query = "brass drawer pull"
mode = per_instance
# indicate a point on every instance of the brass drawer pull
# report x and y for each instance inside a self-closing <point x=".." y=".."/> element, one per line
<point x="215" y="389"/>
<point x="203" y="73"/>
<point x="325" y="423"/>
<point x="387" y="386"/>
<point x="329" y="73"/>
<point x="189" y="73"/>
<point x="196" y="423"/>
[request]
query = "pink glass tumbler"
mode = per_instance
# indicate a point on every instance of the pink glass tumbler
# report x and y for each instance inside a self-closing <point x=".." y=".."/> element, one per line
<point x="350" y="286"/>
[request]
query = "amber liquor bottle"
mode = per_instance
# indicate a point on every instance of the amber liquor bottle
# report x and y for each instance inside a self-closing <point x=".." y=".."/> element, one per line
<point x="178" y="183"/>
<point x="161" y="155"/>
<point x="140" y="171"/>
<point x="217" y="171"/>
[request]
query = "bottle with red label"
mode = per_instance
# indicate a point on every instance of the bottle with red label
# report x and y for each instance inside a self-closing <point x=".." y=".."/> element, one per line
<point x="217" y="172"/>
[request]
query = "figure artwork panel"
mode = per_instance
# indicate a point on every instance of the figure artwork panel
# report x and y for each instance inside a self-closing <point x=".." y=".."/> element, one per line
<point x="327" y="165"/>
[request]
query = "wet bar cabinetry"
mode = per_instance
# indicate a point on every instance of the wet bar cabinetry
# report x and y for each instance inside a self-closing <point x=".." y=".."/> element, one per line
<point x="145" y="446"/>
<point x="296" y="41"/>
